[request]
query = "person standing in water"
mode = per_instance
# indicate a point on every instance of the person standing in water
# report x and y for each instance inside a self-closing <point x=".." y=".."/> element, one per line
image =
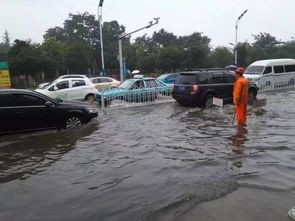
<point x="240" y="96"/>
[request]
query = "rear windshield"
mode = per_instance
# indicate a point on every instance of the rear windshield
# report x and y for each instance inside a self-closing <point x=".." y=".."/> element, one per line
<point x="192" y="78"/>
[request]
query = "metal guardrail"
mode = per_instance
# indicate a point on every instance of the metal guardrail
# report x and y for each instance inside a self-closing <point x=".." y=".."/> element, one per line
<point x="129" y="98"/>
<point x="275" y="86"/>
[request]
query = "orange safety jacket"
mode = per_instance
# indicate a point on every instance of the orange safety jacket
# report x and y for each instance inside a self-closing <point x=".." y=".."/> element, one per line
<point x="240" y="93"/>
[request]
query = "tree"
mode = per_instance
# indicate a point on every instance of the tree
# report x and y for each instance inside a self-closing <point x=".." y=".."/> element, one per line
<point x="196" y="49"/>
<point x="221" y="56"/>
<point x="26" y="59"/>
<point x="265" y="40"/>
<point x="163" y="38"/>
<point x="169" y="57"/>
<point x="54" y="52"/>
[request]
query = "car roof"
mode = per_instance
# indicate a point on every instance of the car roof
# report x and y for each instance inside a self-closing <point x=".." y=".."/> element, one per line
<point x="204" y="71"/>
<point x="282" y="61"/>
<point x="72" y="75"/>
<point x="3" y="90"/>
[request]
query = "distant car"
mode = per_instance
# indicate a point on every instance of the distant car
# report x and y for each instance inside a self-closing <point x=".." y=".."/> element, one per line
<point x="197" y="88"/>
<point x="63" y="77"/>
<point x="24" y="110"/>
<point x="69" y="89"/>
<point x="169" y="78"/>
<point x="103" y="83"/>
<point x="135" y="90"/>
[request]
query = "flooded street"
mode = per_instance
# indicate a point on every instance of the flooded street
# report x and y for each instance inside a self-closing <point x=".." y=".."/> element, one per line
<point x="157" y="162"/>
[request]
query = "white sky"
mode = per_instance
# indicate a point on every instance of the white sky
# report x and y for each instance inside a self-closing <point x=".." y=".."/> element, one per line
<point x="29" y="19"/>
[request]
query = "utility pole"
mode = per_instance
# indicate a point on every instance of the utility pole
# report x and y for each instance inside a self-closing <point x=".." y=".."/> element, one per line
<point x="236" y="42"/>
<point x="99" y="11"/>
<point x="151" y="23"/>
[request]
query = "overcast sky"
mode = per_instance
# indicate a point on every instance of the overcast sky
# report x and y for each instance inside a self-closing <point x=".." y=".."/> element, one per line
<point x="29" y="19"/>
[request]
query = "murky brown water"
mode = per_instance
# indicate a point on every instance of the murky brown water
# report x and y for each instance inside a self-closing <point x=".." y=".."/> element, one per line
<point x="162" y="162"/>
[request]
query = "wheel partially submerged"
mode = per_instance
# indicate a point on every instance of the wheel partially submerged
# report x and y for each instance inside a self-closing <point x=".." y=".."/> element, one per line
<point x="73" y="122"/>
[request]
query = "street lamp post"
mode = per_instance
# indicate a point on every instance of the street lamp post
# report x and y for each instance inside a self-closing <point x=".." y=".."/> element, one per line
<point x="236" y="42"/>
<point x="99" y="11"/>
<point x="151" y="23"/>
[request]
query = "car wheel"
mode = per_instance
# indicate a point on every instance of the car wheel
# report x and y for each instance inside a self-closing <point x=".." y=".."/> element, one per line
<point x="209" y="101"/>
<point x="252" y="96"/>
<point x="88" y="96"/>
<point x="73" y="121"/>
<point x="291" y="82"/>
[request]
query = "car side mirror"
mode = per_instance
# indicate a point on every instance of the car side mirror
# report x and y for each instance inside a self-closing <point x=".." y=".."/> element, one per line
<point x="49" y="104"/>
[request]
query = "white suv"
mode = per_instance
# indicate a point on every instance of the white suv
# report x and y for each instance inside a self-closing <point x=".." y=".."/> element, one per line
<point x="69" y="88"/>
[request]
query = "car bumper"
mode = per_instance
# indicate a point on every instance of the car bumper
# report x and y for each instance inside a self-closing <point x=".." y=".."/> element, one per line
<point x="193" y="99"/>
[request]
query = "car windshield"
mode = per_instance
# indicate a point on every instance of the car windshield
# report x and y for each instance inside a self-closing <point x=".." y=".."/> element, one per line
<point x="163" y="76"/>
<point x="254" y="70"/>
<point x="126" y="84"/>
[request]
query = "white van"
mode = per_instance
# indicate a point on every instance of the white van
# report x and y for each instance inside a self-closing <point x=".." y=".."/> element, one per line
<point x="272" y="74"/>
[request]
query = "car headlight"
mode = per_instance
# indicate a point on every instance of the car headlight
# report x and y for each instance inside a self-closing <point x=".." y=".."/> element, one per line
<point x="91" y="110"/>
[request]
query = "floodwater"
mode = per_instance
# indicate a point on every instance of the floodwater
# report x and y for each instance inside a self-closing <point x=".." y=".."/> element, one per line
<point x="157" y="162"/>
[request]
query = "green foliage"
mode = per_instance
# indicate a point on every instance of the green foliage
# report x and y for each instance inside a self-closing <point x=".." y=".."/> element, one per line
<point x="75" y="48"/>
<point x="221" y="57"/>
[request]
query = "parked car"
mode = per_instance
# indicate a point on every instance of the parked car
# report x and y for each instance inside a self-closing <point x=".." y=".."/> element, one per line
<point x="24" y="110"/>
<point x="135" y="90"/>
<point x="63" y="77"/>
<point x="103" y="83"/>
<point x="169" y="78"/>
<point x="69" y="89"/>
<point x="272" y="74"/>
<point x="197" y="88"/>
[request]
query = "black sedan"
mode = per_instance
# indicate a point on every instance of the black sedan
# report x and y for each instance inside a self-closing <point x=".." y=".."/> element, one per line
<point x="24" y="110"/>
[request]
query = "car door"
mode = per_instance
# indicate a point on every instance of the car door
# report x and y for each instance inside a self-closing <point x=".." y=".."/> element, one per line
<point x="61" y="90"/>
<point x="229" y="80"/>
<point x="105" y="83"/>
<point x="7" y="113"/>
<point x="217" y="84"/>
<point x="78" y="89"/>
<point x="151" y="89"/>
<point x="31" y="113"/>
<point x="136" y="90"/>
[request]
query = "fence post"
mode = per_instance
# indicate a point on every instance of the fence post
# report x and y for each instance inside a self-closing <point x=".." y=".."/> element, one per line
<point x="102" y="100"/>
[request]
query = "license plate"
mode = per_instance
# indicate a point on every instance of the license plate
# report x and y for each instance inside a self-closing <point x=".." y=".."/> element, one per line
<point x="181" y="88"/>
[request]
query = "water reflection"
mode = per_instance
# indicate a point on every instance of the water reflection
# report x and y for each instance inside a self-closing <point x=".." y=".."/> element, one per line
<point x="24" y="155"/>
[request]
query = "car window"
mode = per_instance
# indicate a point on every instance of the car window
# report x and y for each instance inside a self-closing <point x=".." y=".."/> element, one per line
<point x="27" y="100"/>
<point x="137" y="84"/>
<point x="187" y="79"/>
<point x="62" y="85"/>
<point x="278" y="69"/>
<point x="217" y="78"/>
<point x="160" y="83"/>
<point x="203" y="78"/>
<point x="6" y="100"/>
<point x="78" y="83"/>
<point x="229" y="78"/>
<point x="290" y="68"/>
<point x="151" y="83"/>
<point x="267" y="70"/>
<point x="95" y="81"/>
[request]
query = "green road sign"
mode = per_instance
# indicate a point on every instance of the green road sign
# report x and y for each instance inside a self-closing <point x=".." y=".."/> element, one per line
<point x="3" y="65"/>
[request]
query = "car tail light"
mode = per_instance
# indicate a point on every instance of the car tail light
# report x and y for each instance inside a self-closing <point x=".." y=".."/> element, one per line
<point x="195" y="89"/>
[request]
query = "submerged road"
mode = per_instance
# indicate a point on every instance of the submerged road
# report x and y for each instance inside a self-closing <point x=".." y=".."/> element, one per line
<point x="157" y="162"/>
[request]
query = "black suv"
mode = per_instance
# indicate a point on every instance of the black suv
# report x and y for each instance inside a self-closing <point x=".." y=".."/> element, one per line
<point x="24" y="110"/>
<point x="197" y="88"/>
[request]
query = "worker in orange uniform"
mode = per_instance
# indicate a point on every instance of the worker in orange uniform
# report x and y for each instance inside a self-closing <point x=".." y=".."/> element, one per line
<point x="240" y="96"/>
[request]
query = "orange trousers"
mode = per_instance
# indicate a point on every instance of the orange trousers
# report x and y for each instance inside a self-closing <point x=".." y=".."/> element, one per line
<point x="241" y="113"/>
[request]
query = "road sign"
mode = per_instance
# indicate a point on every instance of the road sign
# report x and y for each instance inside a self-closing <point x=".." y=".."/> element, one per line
<point x="218" y="102"/>
<point x="3" y="65"/>
<point x="4" y="75"/>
